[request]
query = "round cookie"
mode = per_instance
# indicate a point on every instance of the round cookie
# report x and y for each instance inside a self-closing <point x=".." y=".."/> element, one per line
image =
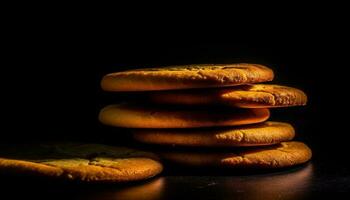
<point x="138" y="116"/>
<point x="281" y="155"/>
<point x="82" y="162"/>
<point x="265" y="133"/>
<point x="186" y="76"/>
<point x="245" y="96"/>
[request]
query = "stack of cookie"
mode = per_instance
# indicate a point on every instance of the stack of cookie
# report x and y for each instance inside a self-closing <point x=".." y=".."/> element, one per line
<point x="209" y="106"/>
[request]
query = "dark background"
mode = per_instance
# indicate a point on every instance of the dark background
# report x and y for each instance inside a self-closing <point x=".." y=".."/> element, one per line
<point x="51" y="86"/>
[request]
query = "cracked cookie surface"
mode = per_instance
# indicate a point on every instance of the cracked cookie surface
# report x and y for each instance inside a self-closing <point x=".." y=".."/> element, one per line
<point x="266" y="133"/>
<point x="148" y="116"/>
<point x="285" y="154"/>
<point x="186" y="76"/>
<point x="245" y="96"/>
<point x="83" y="162"/>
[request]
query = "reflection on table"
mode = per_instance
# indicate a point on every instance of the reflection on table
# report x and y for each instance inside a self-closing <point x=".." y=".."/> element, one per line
<point x="290" y="184"/>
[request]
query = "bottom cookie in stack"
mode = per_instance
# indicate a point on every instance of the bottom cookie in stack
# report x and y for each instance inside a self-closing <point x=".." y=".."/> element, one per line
<point x="263" y="145"/>
<point x="285" y="154"/>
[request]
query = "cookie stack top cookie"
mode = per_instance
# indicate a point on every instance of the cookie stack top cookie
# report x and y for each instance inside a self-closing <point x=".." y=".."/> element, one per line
<point x="186" y="77"/>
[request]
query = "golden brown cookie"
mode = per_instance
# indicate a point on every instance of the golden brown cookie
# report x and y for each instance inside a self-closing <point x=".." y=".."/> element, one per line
<point x="284" y="154"/>
<point x="137" y="116"/>
<point x="244" y="96"/>
<point x="82" y="162"/>
<point x="265" y="133"/>
<point x="186" y="76"/>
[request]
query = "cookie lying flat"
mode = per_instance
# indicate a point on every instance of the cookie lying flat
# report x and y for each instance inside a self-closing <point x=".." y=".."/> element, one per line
<point x="245" y="96"/>
<point x="265" y="133"/>
<point x="284" y="154"/>
<point x="83" y="162"/>
<point x="186" y="76"/>
<point x="137" y="116"/>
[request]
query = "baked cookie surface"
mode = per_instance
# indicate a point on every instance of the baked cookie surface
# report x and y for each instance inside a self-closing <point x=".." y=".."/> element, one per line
<point x="82" y="162"/>
<point x="186" y="76"/>
<point x="244" y="96"/>
<point x="266" y="133"/>
<point x="138" y="116"/>
<point x="281" y="155"/>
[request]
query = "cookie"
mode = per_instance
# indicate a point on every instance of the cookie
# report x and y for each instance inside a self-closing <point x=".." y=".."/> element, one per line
<point x="245" y="96"/>
<point x="285" y="154"/>
<point x="265" y="133"/>
<point x="138" y="116"/>
<point x="186" y="76"/>
<point x="82" y="162"/>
